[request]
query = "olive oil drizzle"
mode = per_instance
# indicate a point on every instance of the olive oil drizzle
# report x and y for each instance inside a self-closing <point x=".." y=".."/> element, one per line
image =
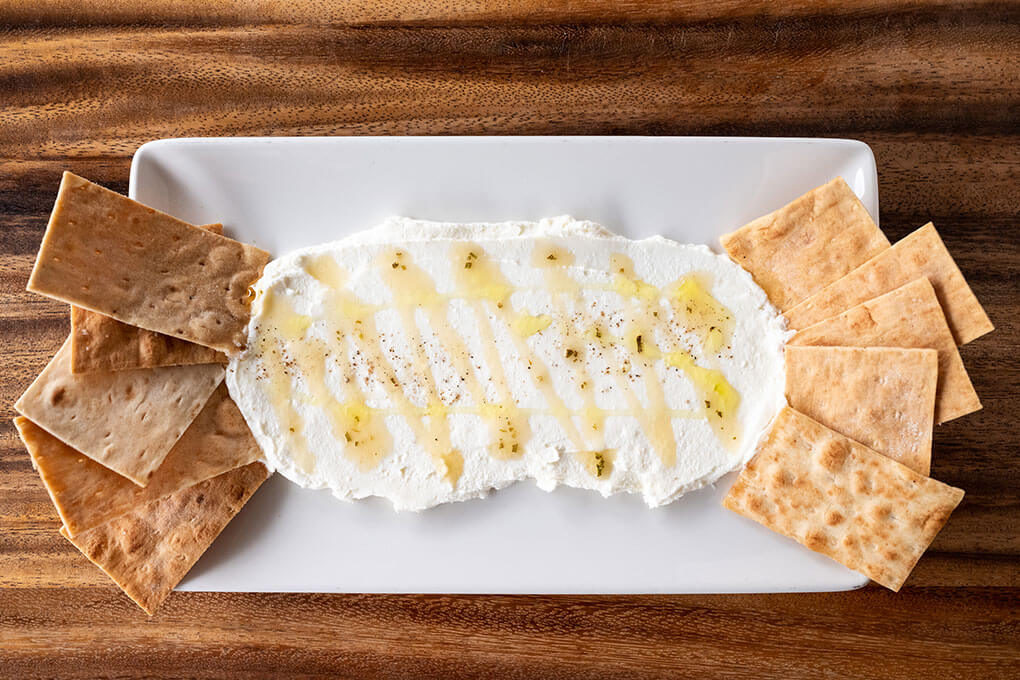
<point x="350" y="319"/>
<point x="484" y="279"/>
<point x="658" y="424"/>
<point x="689" y="299"/>
<point x="408" y="281"/>
<point x="484" y="288"/>
<point x="367" y="440"/>
<point x="474" y="271"/>
<point x="554" y="261"/>
<point x="291" y="424"/>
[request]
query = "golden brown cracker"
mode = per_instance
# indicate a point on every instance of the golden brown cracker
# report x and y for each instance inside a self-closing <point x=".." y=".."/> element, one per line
<point x="882" y="397"/>
<point x="842" y="499"/>
<point x="911" y="317"/>
<point x="101" y="343"/>
<point x="125" y="420"/>
<point x="149" y="550"/>
<point x="921" y="254"/>
<point x="807" y="244"/>
<point x="87" y="494"/>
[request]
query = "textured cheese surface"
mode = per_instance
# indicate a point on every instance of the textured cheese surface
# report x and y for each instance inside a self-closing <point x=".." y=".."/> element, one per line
<point x="428" y="362"/>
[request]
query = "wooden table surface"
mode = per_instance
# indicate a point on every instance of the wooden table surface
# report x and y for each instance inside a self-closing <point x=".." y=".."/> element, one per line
<point x="933" y="87"/>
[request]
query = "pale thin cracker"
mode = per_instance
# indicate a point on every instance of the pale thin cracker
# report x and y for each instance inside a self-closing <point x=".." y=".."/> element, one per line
<point x="107" y="253"/>
<point x="125" y="420"/>
<point x="841" y="499"/>
<point x="921" y="254"/>
<point x="149" y="550"/>
<point x="911" y="317"/>
<point x="807" y="244"/>
<point x="86" y="494"/>
<point x="101" y="343"/>
<point x="883" y="397"/>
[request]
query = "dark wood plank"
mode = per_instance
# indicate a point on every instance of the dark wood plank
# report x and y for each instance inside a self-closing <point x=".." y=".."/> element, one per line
<point x="56" y="13"/>
<point x="933" y="87"/>
<point x="126" y="86"/>
<point x="921" y="633"/>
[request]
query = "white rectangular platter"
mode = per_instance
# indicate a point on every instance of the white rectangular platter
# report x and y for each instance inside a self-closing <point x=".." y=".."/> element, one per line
<point x="285" y="193"/>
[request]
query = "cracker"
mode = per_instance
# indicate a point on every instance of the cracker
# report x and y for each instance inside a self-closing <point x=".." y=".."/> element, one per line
<point x="807" y="244"/>
<point x="109" y="254"/>
<point x="86" y="494"/>
<point x="920" y="254"/>
<point x="910" y="317"/>
<point x="883" y="397"/>
<point x="125" y="420"/>
<point x="149" y="550"/>
<point x="841" y="499"/>
<point x="101" y="343"/>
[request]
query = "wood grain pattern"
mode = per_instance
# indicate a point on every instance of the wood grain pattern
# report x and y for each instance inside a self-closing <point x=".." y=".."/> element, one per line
<point x="449" y="12"/>
<point x="933" y="87"/>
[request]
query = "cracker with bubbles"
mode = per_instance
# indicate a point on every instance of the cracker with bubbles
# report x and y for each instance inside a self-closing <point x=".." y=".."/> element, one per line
<point x="149" y="550"/>
<point x="87" y="494"/>
<point x="111" y="255"/>
<point x="911" y="317"/>
<point x="101" y="343"/>
<point x="842" y="499"/>
<point x="920" y="254"/>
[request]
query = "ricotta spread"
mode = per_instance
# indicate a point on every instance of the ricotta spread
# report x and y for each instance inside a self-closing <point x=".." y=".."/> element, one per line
<point x="426" y="362"/>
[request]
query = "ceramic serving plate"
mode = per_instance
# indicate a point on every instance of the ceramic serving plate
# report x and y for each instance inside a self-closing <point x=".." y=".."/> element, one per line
<point x="285" y="193"/>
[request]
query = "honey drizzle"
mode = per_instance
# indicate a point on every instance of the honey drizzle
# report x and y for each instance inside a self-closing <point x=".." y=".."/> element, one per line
<point x="292" y="426"/>
<point x="473" y="271"/>
<point x="713" y="324"/>
<point x="407" y="281"/>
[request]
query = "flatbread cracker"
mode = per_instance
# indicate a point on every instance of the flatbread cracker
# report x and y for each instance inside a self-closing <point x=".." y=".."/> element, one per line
<point x="841" y="499"/>
<point x="807" y="244"/>
<point x="911" y="317"/>
<point x="87" y="494"/>
<point x="101" y="343"/>
<point x="109" y="254"/>
<point x="883" y="397"/>
<point x="125" y="420"/>
<point x="921" y="254"/>
<point x="149" y="550"/>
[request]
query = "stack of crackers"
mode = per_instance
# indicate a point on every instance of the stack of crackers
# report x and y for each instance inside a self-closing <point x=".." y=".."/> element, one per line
<point x="873" y="366"/>
<point x="130" y="426"/>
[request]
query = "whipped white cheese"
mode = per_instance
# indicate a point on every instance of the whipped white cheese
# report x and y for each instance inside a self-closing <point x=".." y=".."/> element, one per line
<point x="427" y="362"/>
